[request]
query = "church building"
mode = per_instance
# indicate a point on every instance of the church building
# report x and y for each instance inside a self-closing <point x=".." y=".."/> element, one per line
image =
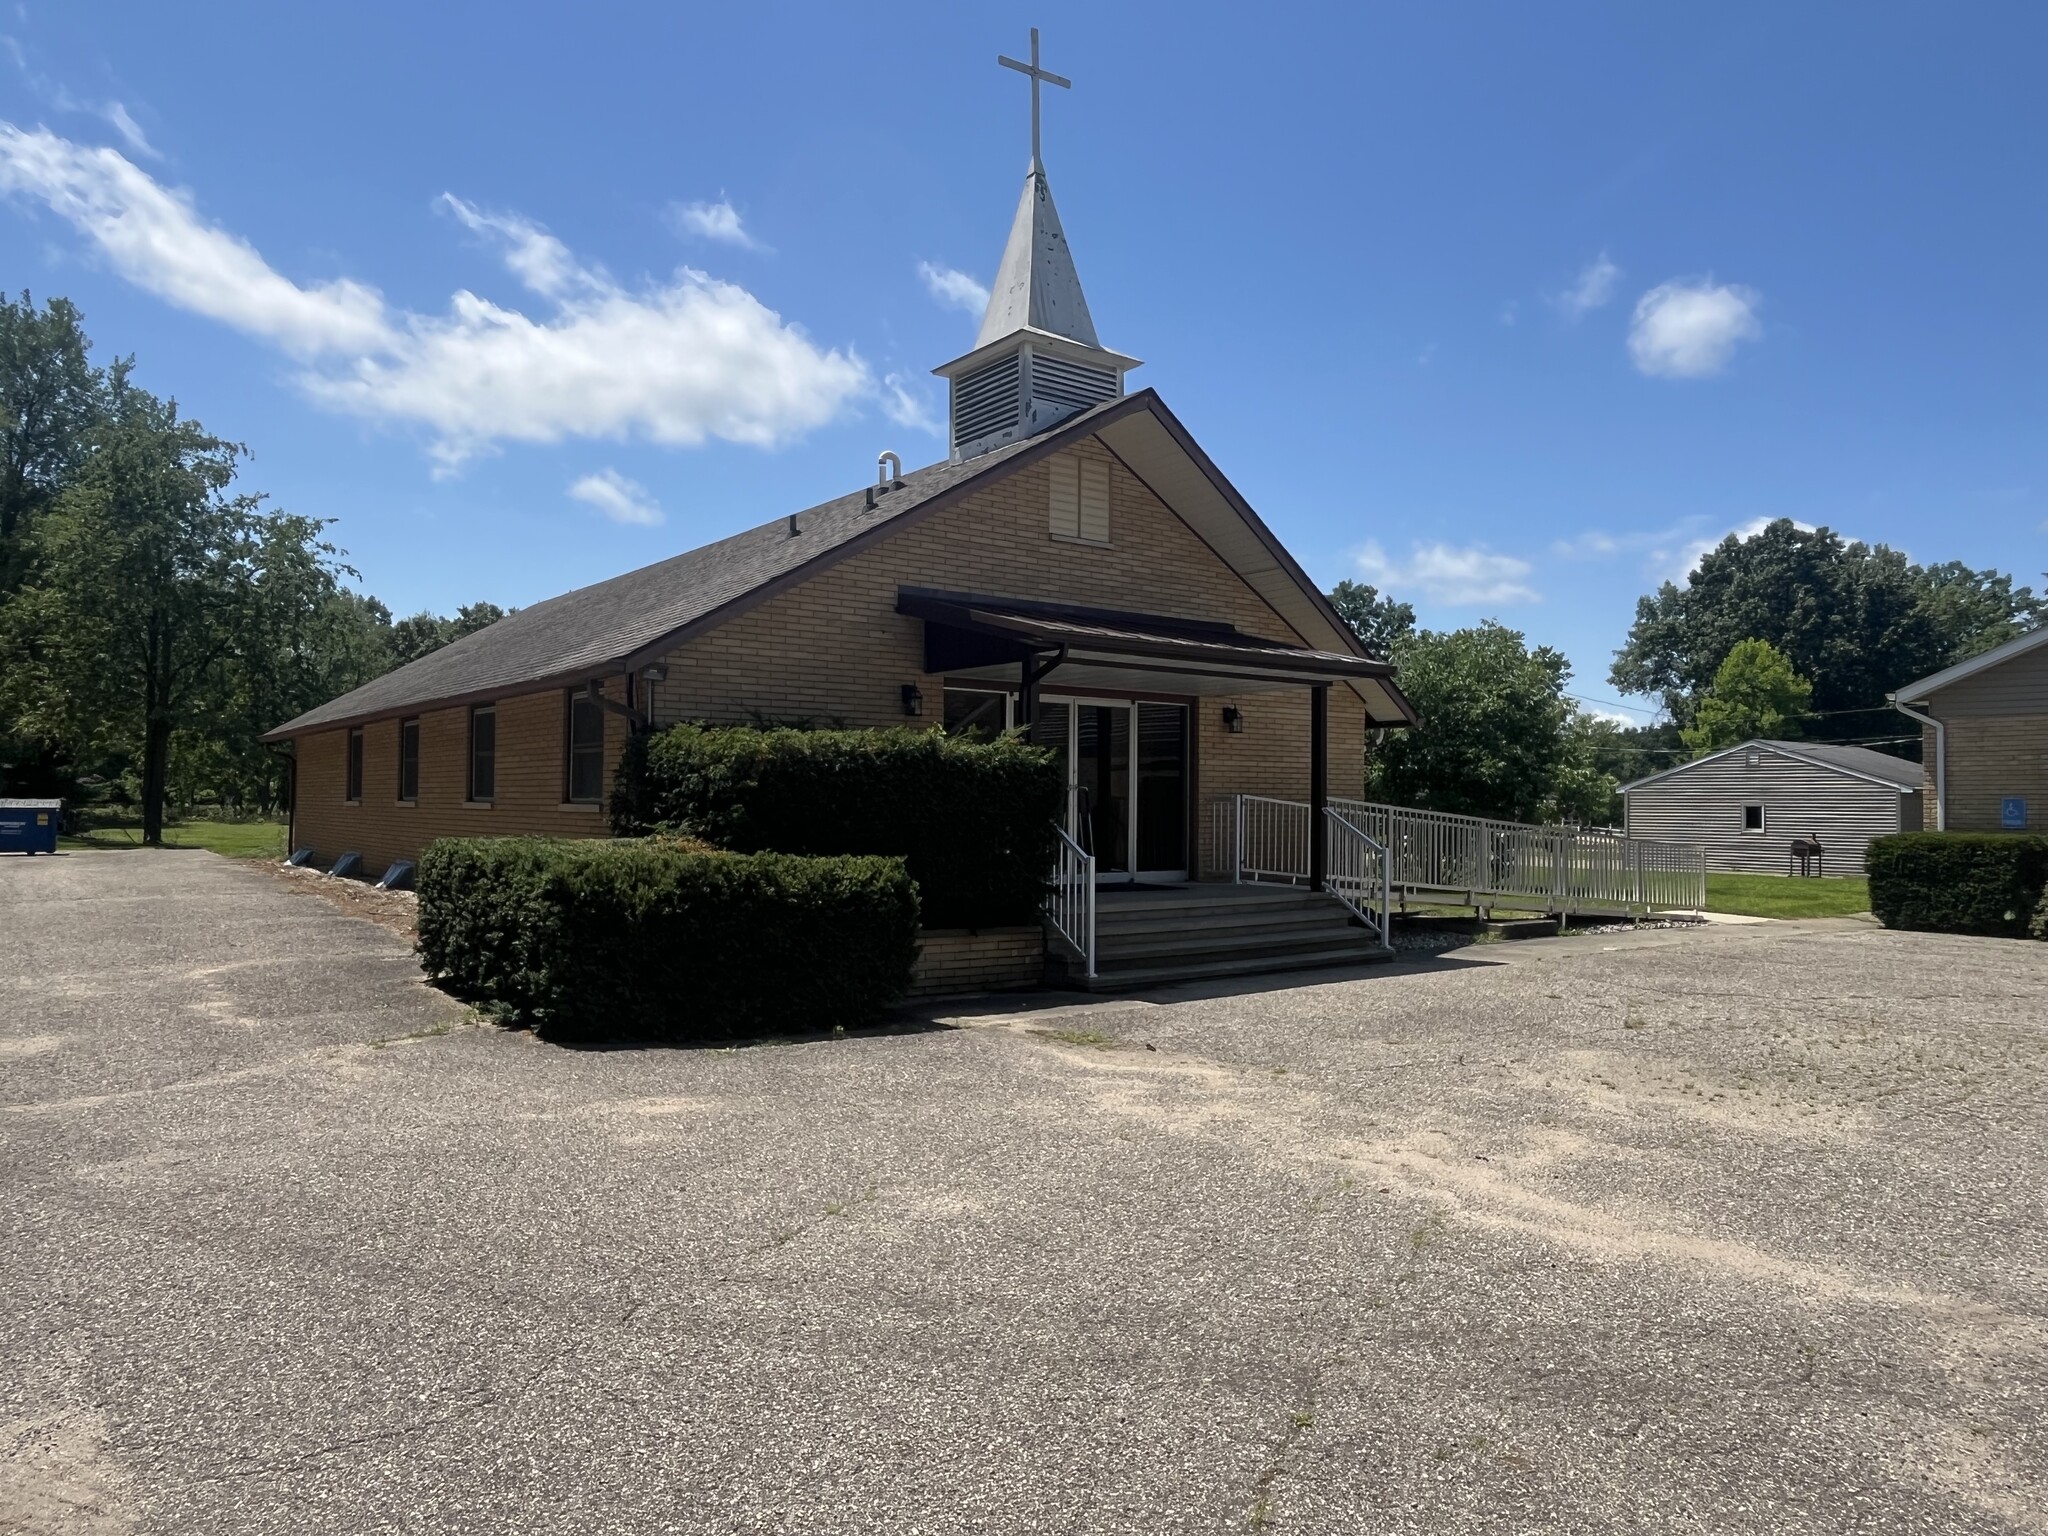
<point x="1076" y="567"/>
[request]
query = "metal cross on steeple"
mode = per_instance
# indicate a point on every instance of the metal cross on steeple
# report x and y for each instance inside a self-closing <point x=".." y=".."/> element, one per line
<point x="1036" y="75"/>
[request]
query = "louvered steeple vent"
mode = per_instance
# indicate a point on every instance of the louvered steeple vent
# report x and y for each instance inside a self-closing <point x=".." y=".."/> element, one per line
<point x="1037" y="360"/>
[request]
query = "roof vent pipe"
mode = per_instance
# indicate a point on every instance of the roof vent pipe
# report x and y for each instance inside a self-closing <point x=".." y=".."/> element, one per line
<point x="792" y="525"/>
<point x="871" y="498"/>
<point x="888" y="471"/>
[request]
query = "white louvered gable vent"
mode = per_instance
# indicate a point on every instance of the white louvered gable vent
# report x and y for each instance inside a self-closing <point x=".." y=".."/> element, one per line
<point x="988" y="399"/>
<point x="1079" y="504"/>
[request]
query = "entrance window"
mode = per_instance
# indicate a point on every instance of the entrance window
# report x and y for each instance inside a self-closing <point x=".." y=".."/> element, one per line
<point x="1162" y="786"/>
<point x="977" y="715"/>
<point x="1752" y="818"/>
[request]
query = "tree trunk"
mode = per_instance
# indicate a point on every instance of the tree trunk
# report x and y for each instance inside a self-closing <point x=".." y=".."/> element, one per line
<point x="156" y="766"/>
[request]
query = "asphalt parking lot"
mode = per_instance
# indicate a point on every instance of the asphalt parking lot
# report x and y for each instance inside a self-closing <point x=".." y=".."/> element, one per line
<point x="1727" y="1231"/>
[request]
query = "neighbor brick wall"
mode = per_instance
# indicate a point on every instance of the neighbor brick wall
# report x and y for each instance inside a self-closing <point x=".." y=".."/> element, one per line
<point x="531" y="780"/>
<point x="834" y="648"/>
<point x="957" y="960"/>
<point x="1990" y="757"/>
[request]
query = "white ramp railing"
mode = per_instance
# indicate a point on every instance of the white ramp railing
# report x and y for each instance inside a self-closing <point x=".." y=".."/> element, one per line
<point x="1070" y="898"/>
<point x="1357" y="871"/>
<point x="1469" y="860"/>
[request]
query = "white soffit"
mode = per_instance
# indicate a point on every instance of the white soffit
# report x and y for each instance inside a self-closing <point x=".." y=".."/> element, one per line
<point x="1153" y="454"/>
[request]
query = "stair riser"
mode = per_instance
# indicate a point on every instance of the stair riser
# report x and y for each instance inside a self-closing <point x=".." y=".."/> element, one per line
<point x="1195" y="944"/>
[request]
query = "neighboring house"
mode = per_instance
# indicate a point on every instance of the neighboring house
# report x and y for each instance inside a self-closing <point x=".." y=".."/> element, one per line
<point x="1984" y="726"/>
<point x="1077" y="566"/>
<point x="1745" y="805"/>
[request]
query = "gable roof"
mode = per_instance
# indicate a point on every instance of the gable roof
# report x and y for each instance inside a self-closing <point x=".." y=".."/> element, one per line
<point x="619" y="624"/>
<point x="1856" y="762"/>
<point x="2019" y="645"/>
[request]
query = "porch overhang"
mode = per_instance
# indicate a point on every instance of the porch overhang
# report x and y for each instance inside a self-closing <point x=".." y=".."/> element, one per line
<point x="980" y="637"/>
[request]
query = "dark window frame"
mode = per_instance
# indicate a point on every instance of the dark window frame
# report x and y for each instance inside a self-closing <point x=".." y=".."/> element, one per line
<point x="409" y="760"/>
<point x="352" y="778"/>
<point x="591" y="751"/>
<point x="483" y="788"/>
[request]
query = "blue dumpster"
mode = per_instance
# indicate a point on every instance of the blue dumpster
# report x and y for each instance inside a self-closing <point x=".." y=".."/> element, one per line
<point x="29" y="826"/>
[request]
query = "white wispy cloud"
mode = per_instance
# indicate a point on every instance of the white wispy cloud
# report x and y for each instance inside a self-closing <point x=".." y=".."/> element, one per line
<point x="1682" y="562"/>
<point x="1447" y="573"/>
<point x="673" y="362"/>
<point x="714" y="221"/>
<point x="1510" y="312"/>
<point x="620" y="499"/>
<point x="1689" y="327"/>
<point x="1593" y="287"/>
<point x="906" y="404"/>
<point x="130" y="130"/>
<point x="155" y="239"/>
<point x="954" y="289"/>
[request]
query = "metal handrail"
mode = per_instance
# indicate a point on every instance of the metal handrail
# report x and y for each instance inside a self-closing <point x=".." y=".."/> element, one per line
<point x="1357" y="870"/>
<point x="1255" y="837"/>
<point x="1070" y="897"/>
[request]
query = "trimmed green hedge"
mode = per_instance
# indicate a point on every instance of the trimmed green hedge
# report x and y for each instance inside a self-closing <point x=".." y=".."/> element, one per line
<point x="1958" y="882"/>
<point x="972" y="820"/>
<point x="652" y="937"/>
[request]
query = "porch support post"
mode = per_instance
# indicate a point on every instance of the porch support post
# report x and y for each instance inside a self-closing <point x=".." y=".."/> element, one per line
<point x="1318" y="782"/>
<point x="1027" y="694"/>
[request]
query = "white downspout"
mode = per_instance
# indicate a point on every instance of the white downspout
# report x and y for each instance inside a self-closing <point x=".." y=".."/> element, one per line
<point x="1940" y="759"/>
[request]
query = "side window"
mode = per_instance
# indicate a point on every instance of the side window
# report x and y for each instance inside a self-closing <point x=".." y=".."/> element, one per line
<point x="409" y="759"/>
<point x="355" y="765"/>
<point x="1752" y="818"/>
<point x="483" y="752"/>
<point x="585" y="733"/>
<point x="1066" y="496"/>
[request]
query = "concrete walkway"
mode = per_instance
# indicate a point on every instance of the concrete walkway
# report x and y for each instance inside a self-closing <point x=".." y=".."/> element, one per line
<point x="1735" y="1230"/>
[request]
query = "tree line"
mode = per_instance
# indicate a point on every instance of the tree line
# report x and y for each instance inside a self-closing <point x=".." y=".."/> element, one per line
<point x="1788" y="633"/>
<point x="155" y="616"/>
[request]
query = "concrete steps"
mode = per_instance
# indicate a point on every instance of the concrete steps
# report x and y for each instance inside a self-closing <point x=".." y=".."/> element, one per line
<point x="1152" y="937"/>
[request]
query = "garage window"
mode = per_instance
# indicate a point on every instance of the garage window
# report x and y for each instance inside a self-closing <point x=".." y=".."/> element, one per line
<point x="1752" y="818"/>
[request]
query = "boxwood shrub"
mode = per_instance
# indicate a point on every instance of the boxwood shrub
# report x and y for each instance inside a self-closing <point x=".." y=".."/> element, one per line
<point x="1958" y="882"/>
<point x="656" y="938"/>
<point x="972" y="820"/>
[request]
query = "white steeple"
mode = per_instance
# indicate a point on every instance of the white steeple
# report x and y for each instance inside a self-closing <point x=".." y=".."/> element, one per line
<point x="1037" y="359"/>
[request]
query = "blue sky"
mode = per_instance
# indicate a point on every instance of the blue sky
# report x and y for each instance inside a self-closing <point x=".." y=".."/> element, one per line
<point x="1505" y="308"/>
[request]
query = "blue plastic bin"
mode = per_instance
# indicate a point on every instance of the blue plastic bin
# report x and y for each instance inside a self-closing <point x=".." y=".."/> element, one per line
<point x="29" y="826"/>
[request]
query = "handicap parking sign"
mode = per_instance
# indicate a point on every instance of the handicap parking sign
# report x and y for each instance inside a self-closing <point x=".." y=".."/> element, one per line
<point x="2012" y="813"/>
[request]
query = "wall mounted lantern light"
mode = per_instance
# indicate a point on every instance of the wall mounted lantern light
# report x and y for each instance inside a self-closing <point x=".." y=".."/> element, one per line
<point x="1233" y="719"/>
<point x="913" y="699"/>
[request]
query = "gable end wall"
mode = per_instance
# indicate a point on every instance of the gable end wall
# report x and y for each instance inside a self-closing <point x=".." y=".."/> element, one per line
<point x="1703" y="804"/>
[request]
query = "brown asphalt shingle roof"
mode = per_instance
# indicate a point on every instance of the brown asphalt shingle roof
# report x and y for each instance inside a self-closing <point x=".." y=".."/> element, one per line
<point x="591" y="631"/>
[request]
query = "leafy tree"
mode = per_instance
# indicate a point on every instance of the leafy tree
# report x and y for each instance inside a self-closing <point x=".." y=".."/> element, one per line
<point x="49" y="394"/>
<point x="1380" y="622"/>
<point x="1498" y="737"/>
<point x="154" y="591"/>
<point x="1755" y="693"/>
<point x="1856" y="619"/>
<point x="425" y="633"/>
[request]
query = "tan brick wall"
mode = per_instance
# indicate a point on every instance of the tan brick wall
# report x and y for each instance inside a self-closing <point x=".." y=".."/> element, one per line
<point x="953" y="961"/>
<point x="1990" y="757"/>
<point x="834" y="648"/>
<point x="531" y="780"/>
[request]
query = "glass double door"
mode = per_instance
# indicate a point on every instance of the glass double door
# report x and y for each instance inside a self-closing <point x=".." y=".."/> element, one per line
<point x="1127" y="782"/>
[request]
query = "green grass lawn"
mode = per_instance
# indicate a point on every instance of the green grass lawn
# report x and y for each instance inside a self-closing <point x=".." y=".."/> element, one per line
<point x="1785" y="896"/>
<point x="236" y="839"/>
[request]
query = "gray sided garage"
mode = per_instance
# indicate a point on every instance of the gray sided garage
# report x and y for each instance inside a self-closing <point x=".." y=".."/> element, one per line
<point x="1746" y="804"/>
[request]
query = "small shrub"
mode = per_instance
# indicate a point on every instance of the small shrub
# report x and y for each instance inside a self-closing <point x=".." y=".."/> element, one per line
<point x="655" y="937"/>
<point x="971" y="820"/>
<point x="1958" y="882"/>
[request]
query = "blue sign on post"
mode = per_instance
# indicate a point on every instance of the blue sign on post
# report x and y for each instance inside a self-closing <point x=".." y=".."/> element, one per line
<point x="2012" y="813"/>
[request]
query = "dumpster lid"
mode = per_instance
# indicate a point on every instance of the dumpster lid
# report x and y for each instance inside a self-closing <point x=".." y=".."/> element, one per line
<point x="31" y="805"/>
